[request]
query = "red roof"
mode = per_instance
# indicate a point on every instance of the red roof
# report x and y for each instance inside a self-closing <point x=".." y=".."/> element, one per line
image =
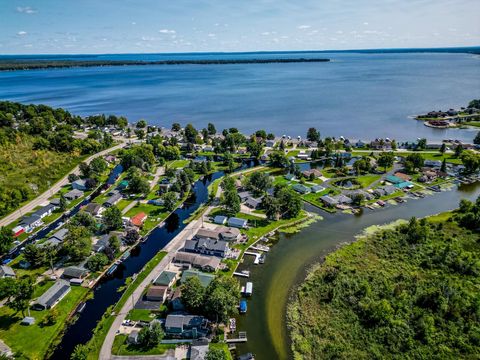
<point x="138" y="219"/>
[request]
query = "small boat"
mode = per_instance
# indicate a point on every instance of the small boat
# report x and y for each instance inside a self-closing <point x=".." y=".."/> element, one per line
<point x="381" y="202"/>
<point x="249" y="289"/>
<point x="111" y="270"/>
<point x="125" y="255"/>
<point x="81" y="307"/>
<point x="399" y="200"/>
<point x="245" y="272"/>
<point x="243" y="306"/>
<point x="261" y="260"/>
<point x="242" y="290"/>
<point x="232" y="324"/>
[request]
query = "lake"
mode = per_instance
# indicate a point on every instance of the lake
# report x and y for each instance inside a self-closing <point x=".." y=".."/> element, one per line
<point x="357" y="95"/>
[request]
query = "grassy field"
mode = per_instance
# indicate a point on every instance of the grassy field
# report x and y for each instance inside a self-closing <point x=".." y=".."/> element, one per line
<point x="95" y="344"/>
<point x="121" y="347"/>
<point x="366" y="180"/>
<point x="223" y="347"/>
<point x="34" y="171"/>
<point x="34" y="341"/>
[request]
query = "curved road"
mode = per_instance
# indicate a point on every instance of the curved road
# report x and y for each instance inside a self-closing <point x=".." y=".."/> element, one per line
<point x="54" y="189"/>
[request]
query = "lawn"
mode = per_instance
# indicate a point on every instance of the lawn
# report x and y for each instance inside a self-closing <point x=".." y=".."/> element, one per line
<point x="140" y="315"/>
<point x="34" y="341"/>
<point x="121" y="347"/>
<point x="314" y="199"/>
<point x="32" y="171"/>
<point x="105" y="323"/>
<point x="176" y="164"/>
<point x="221" y="346"/>
<point x="366" y="180"/>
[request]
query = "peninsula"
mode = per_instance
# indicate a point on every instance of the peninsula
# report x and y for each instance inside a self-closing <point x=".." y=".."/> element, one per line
<point x="11" y="65"/>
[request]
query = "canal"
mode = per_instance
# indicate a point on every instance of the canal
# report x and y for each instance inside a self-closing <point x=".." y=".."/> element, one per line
<point x="290" y="258"/>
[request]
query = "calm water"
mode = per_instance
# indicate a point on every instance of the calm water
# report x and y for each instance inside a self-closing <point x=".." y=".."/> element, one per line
<point x="288" y="261"/>
<point x="355" y="95"/>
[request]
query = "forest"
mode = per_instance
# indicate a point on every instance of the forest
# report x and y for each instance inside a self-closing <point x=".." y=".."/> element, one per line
<point x="407" y="292"/>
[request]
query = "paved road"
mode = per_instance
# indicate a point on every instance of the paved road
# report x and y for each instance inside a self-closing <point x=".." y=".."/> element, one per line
<point x="54" y="189"/>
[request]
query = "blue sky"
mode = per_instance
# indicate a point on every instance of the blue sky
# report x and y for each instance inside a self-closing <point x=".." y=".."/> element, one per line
<point x="123" y="26"/>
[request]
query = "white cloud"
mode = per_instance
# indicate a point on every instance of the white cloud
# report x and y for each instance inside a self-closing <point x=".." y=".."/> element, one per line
<point x="134" y="23"/>
<point x="211" y="35"/>
<point x="304" y="27"/>
<point x="167" y="31"/>
<point x="266" y="33"/>
<point x="26" y="10"/>
<point x="21" y="33"/>
<point x="365" y="23"/>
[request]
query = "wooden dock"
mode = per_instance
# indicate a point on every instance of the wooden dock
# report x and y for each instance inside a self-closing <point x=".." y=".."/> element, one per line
<point x="257" y="256"/>
<point x="241" y="274"/>
<point x="242" y="338"/>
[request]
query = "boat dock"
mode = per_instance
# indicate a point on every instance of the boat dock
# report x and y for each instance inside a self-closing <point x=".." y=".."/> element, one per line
<point x="241" y="274"/>
<point x="257" y="256"/>
<point x="242" y="338"/>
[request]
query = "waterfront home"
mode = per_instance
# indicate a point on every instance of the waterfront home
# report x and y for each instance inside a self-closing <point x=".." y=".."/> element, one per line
<point x="403" y="176"/>
<point x="204" y="263"/>
<point x="244" y="195"/>
<point x="53" y="295"/>
<point x="237" y="222"/>
<point x="404" y="185"/>
<point x="380" y="144"/>
<point x="366" y="195"/>
<point x="315" y="172"/>
<point x="6" y="272"/>
<point x="17" y="231"/>
<point x="394" y="179"/>
<point x="289" y="177"/>
<point x="203" y="233"/>
<point x="59" y="235"/>
<point x="101" y="243"/>
<point x="207" y="247"/>
<point x="342" y="199"/>
<point x="73" y="194"/>
<point x="302" y="189"/>
<point x="138" y="219"/>
<point x="156" y="293"/>
<point x="433" y="163"/>
<point x="80" y="184"/>
<point x="205" y="279"/>
<point x="384" y="190"/>
<point x="270" y="143"/>
<point x="123" y="185"/>
<point x="360" y="144"/>
<point x="253" y="203"/>
<point x="166" y="278"/>
<point x="229" y="233"/>
<point x="31" y="222"/>
<point x="186" y="326"/>
<point x="316" y="189"/>
<point x="220" y="219"/>
<point x="112" y="200"/>
<point x="328" y="201"/>
<point x="92" y="208"/>
<point x="75" y="272"/>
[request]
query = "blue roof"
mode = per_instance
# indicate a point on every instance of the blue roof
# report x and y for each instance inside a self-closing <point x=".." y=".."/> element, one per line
<point x="237" y="222"/>
<point x="394" y="179"/>
<point x="219" y="219"/>
<point x="404" y="185"/>
<point x="243" y="305"/>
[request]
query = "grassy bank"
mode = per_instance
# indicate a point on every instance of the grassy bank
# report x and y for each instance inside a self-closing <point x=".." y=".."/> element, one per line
<point x="410" y="291"/>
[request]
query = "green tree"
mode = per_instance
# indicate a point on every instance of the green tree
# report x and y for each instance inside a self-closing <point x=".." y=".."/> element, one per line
<point x="278" y="159"/>
<point x="63" y="203"/>
<point x="476" y="140"/>
<point x="385" y="160"/>
<point x="21" y="295"/>
<point x="6" y="240"/>
<point x="150" y="336"/>
<point x="290" y="202"/>
<point x="77" y="243"/>
<point x="458" y="150"/>
<point x="421" y="144"/>
<point x="471" y="161"/>
<point x="80" y="352"/>
<point x="138" y="185"/>
<point x="272" y="207"/>
<point x="190" y="133"/>
<point x="85" y="169"/>
<point x="222" y="297"/>
<point x="259" y="182"/>
<point x="313" y="135"/>
<point x="170" y="200"/>
<point x="255" y="148"/>
<point x="112" y="218"/>
<point x="98" y="166"/>
<point x="97" y="262"/>
<point x="215" y="354"/>
<point x="114" y="244"/>
<point x="176" y="127"/>
<point x="141" y="124"/>
<point x="211" y="129"/>
<point x="193" y="294"/>
<point x="443" y="148"/>
<point x="230" y="202"/>
<point x="140" y="133"/>
<point x="35" y="255"/>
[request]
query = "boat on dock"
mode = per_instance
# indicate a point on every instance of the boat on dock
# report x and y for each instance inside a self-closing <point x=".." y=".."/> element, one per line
<point x="111" y="270"/>
<point x="243" y="273"/>
<point x="125" y="256"/>
<point x="81" y="307"/>
<point x="261" y="260"/>
<point x="249" y="289"/>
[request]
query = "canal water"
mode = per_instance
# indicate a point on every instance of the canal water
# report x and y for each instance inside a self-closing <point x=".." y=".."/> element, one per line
<point x="288" y="261"/>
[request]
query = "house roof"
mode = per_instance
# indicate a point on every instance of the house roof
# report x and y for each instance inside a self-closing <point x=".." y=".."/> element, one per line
<point x="220" y="219"/>
<point x="301" y="188"/>
<point x="329" y="200"/>
<point x="75" y="272"/>
<point x="237" y="222"/>
<point x="181" y="321"/>
<point x="30" y="220"/>
<point x="165" y="278"/>
<point x="60" y="234"/>
<point x="207" y="233"/>
<point x="6" y="271"/>
<point x="92" y="208"/>
<point x="75" y="193"/>
<point x="53" y="294"/>
<point x="157" y="291"/>
<point x="138" y="219"/>
<point x="393" y="179"/>
<point x="253" y="202"/>
<point x="212" y="245"/>
<point x="403" y="176"/>
<point x="113" y="199"/>
<point x="205" y="279"/>
<point x="317" y="188"/>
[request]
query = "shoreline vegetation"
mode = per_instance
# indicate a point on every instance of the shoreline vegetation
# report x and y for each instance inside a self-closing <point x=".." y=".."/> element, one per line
<point x="12" y="65"/>
<point x="453" y="118"/>
<point x="416" y="280"/>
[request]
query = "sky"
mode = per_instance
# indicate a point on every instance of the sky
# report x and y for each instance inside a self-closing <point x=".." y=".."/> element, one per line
<point x="152" y="26"/>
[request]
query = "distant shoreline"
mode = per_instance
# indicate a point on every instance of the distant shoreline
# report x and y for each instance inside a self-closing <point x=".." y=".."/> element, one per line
<point x="13" y="65"/>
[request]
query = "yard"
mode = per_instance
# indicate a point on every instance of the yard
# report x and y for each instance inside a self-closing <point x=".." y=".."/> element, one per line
<point x="121" y="347"/>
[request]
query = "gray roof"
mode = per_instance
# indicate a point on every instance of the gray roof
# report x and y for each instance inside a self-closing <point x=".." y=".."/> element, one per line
<point x="92" y="208"/>
<point x="329" y="200"/>
<point x="220" y="219"/>
<point x="30" y="220"/>
<point x="6" y="271"/>
<point x="237" y="222"/>
<point x="212" y="245"/>
<point x="60" y="234"/>
<point x="53" y="294"/>
<point x="75" y="193"/>
<point x="113" y="199"/>
<point x="165" y="278"/>
<point x="183" y="321"/>
<point x="75" y="272"/>
<point x="253" y="202"/>
<point x="44" y="210"/>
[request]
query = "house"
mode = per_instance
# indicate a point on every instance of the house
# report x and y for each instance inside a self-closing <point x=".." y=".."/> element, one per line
<point x="204" y="263"/>
<point x="55" y="202"/>
<point x="133" y="337"/>
<point x="187" y="326"/>
<point x="79" y="184"/>
<point x="403" y="176"/>
<point x="328" y="201"/>
<point x="394" y="179"/>
<point x="156" y="202"/>
<point x="31" y="222"/>
<point x="244" y="195"/>
<point x="156" y="293"/>
<point x="17" y="231"/>
<point x="123" y="185"/>
<point x="92" y="208"/>
<point x="360" y="144"/>
<point x="433" y="163"/>
<point x="6" y="272"/>
<point x="59" y="235"/>
<point x="316" y="189"/>
<point x="208" y="247"/>
<point x="404" y="185"/>
<point x="53" y="295"/>
<point x="205" y="279"/>
<point x="237" y="222"/>
<point x="342" y="199"/>
<point x="303" y="155"/>
<point x="308" y="173"/>
<point x="110" y="158"/>
<point x="253" y="203"/>
<point x="166" y="278"/>
<point x="302" y="189"/>
<point x="207" y="234"/>
<point x="289" y="177"/>
<point x="73" y="194"/>
<point x="163" y="188"/>
<point x="176" y="300"/>
<point x="75" y="272"/>
<point x="366" y="195"/>
<point x="270" y="143"/>
<point x="229" y="233"/>
<point x="138" y="219"/>
<point x="112" y="200"/>
<point x="219" y="219"/>
<point x="101" y="243"/>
